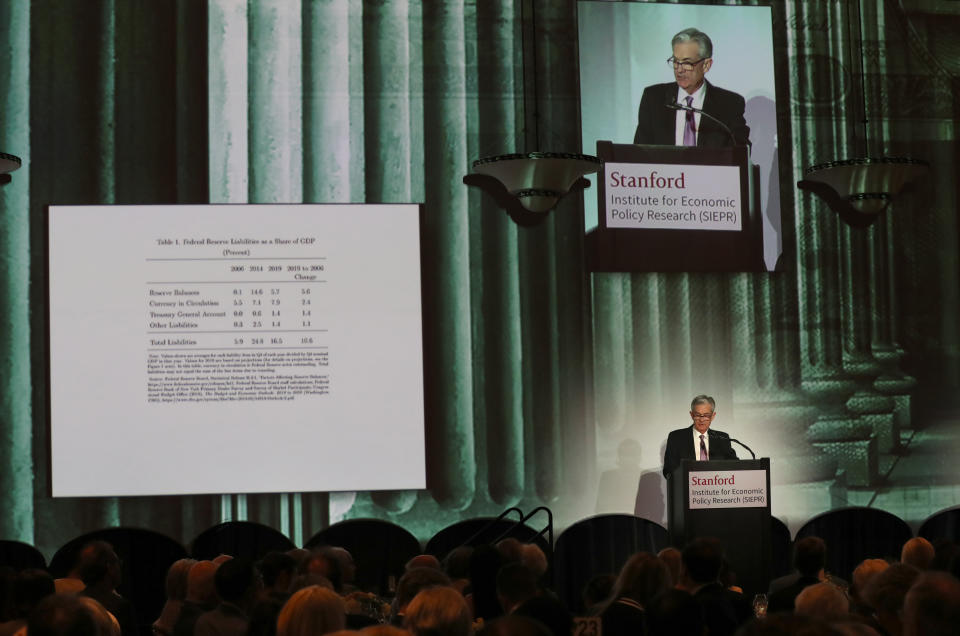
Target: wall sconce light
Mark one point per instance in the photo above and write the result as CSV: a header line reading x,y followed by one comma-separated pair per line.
x,y
860,189
527,186
8,163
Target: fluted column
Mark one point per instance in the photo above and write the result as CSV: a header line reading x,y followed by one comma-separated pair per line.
x,y
388,59
228,108
495,279
332,160
16,426
275,146
447,260
611,328
332,148
228,104
836,431
561,419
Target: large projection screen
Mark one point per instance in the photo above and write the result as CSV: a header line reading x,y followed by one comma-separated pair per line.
x,y
235,349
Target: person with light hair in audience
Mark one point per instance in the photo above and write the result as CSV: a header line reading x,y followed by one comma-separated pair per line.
x,y
176,585
917,552
412,583
823,600
423,561
932,606
438,611
201,597
312,611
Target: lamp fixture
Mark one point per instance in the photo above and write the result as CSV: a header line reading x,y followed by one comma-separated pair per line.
x,y
8,163
860,189
528,185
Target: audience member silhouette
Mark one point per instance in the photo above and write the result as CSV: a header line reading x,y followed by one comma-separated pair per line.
x,y
642,577
27,589
201,597
62,615
932,606
485,562
675,613
176,587
886,592
411,584
237,586
438,611
312,611
100,570
917,552
723,610
825,600
809,561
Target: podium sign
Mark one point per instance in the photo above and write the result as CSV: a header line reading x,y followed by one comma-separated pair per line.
x,y
676,209
671,196
727,499
710,490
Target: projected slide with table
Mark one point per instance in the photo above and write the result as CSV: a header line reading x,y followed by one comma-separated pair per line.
x,y
235,348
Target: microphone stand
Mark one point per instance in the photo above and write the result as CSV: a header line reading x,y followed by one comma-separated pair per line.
x,y
691,109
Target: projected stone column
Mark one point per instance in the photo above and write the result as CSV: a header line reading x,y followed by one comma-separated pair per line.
x,y
840,434
611,339
447,259
332,145
275,137
564,425
892,381
881,264
873,408
332,164
228,108
495,279
228,104
16,425
676,363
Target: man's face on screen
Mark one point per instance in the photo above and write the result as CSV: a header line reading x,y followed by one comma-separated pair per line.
x,y
685,54
702,416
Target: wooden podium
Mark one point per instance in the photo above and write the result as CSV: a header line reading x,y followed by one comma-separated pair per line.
x,y
743,526
670,250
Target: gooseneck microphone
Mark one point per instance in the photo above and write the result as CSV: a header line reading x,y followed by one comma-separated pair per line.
x,y
675,105
723,435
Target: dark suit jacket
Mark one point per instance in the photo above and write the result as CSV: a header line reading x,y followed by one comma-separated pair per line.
x,y
656,124
680,446
723,611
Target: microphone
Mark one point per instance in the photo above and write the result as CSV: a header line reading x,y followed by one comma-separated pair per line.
x,y
675,105
722,435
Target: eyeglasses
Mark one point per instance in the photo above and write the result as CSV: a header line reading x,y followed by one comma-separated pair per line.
x,y
687,66
701,416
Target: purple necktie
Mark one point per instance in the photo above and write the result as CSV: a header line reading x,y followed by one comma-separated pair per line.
x,y
703,446
690,131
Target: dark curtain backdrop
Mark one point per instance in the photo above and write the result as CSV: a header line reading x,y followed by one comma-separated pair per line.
x,y
535,370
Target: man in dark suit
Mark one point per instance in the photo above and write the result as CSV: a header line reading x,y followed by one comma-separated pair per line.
x,y
658,124
697,441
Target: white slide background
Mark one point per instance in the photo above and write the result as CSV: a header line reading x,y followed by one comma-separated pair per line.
x,y
111,436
